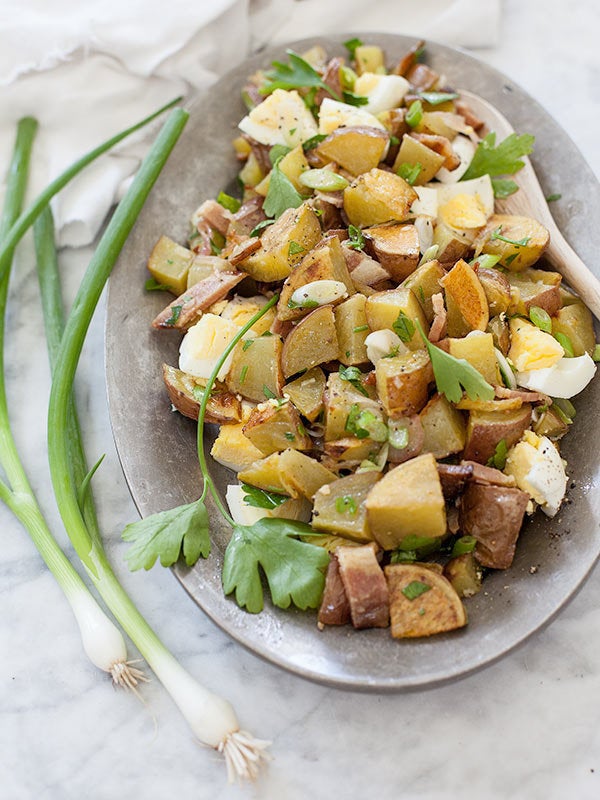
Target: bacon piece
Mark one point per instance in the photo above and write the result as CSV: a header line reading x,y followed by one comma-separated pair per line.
x,y
188,307
214,215
331,77
440,145
247,217
260,152
440,318
527,397
365,586
467,114
242,250
364,270
488,476
422,77
408,60
454,478
335,608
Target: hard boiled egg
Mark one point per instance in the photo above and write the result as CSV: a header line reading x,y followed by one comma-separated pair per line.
x,y
334,114
566,378
204,344
532,348
538,469
282,118
383,91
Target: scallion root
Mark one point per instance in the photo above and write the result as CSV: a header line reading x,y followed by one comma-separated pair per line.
x,y
244,756
126,676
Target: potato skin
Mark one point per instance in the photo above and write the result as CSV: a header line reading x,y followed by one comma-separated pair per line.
x,y
486,428
377,197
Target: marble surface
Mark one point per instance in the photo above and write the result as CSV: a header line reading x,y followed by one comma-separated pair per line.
x,y
526,727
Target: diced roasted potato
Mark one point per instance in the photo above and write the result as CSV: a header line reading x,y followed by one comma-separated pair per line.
x,y
464,573
266,473
378,196
550,424
369,58
519,241
534,287
396,248
436,123
186,395
188,308
413,152
498,327
352,330
467,293
307,393
576,322
383,309
277,257
234,450
204,266
256,368
340,506
313,341
443,426
303,475
407,501
251,173
478,350
356,149
293,164
422,602
340,397
425,282
493,515
350,448
403,383
496,288
275,426
485,429
452,243
325,262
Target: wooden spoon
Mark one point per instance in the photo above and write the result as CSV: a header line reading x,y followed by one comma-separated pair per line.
x,y
530,201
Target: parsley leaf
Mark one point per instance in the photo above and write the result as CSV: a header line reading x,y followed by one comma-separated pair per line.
x,y
277,152
295,248
260,498
356,239
354,99
504,187
352,44
295,570
281,193
227,201
354,376
175,312
498,460
295,75
404,327
553,198
505,159
452,375
311,143
261,225
166,534
152,285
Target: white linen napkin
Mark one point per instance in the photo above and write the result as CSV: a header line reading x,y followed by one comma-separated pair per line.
x,y
88,69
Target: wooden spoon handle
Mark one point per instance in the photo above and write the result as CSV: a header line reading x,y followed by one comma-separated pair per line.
x,y
565,260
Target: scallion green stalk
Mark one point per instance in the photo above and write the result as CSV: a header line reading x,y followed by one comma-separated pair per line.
x,y
212,718
102,641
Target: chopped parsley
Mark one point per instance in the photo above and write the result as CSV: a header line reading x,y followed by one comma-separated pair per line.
x,y
281,193
248,343
415,589
175,314
152,285
261,226
504,159
260,498
498,460
278,151
295,248
296,74
311,143
354,376
354,99
497,234
356,238
552,198
360,328
404,327
352,44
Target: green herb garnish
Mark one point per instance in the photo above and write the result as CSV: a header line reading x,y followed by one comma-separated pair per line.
x,y
152,285
505,159
540,318
261,226
464,544
297,74
409,172
415,589
268,393
360,328
404,327
566,344
356,239
497,234
278,151
596,353
243,373
485,261
248,343
227,201
354,99
346,504
504,187
498,460
553,198
437,98
260,498
354,376
414,115
311,143
452,375
175,314
295,248
351,45
281,193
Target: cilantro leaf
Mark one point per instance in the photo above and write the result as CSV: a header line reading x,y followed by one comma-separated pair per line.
x,y
295,570
505,159
260,498
166,534
295,75
452,375
281,193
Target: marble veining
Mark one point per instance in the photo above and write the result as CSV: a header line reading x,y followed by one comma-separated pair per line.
x,y
526,727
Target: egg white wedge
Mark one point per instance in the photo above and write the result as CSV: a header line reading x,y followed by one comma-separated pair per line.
x,y
465,150
334,114
282,118
538,469
481,187
565,379
426,204
383,91
205,343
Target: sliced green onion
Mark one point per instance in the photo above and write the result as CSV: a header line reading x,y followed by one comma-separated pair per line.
x,y
566,406
414,115
409,172
464,544
566,344
540,318
485,261
325,180
596,353
429,255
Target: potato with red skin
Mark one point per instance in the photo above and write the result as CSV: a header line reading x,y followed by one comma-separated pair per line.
x,y
486,428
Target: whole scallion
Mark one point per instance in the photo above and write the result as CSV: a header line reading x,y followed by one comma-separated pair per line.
x,y
211,718
102,641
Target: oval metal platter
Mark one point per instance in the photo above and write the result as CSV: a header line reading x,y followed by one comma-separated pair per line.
x,y
157,447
